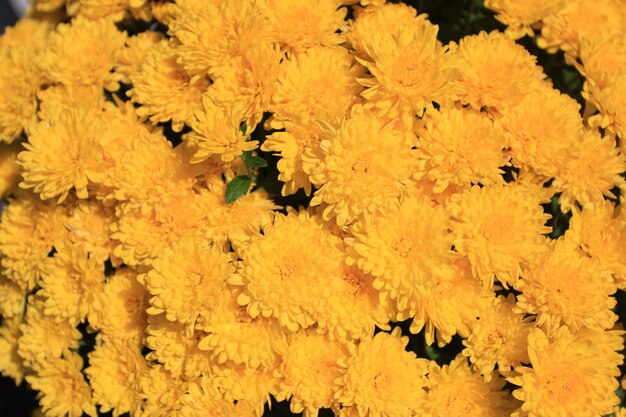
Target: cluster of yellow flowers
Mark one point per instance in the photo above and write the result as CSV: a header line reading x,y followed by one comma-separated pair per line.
x,y
146,269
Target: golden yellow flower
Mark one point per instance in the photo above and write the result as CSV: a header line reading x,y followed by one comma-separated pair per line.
x,y
12,298
297,26
500,229
28,232
448,303
114,9
242,384
114,372
290,270
11,364
461,147
187,279
455,391
361,167
48,5
164,91
29,33
215,131
568,288
403,249
384,380
120,308
132,57
318,83
311,373
203,398
9,169
44,338
65,153
88,226
498,337
590,171
59,98
611,101
63,390
496,72
84,52
569,376
520,15
70,281
161,392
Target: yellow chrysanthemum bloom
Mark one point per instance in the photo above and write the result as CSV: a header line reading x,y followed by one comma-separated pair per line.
x,y
568,288
20,80
410,70
9,169
88,226
242,384
163,89
114,372
28,32
132,57
187,279
63,390
44,338
215,131
114,9
120,308
611,101
319,83
11,363
289,270
569,376
455,391
297,26
161,392
203,398
601,233
499,229
448,303
28,232
177,351
59,98
12,298
498,337
65,153
47,6
70,281
403,249
310,372
495,71
84,52
384,380
361,167
580,177
232,335
461,147
519,16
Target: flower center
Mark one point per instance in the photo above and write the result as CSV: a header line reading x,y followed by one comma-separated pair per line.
x,y
403,246
361,166
286,267
353,279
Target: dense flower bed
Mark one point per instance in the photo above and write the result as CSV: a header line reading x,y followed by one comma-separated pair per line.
x,y
211,202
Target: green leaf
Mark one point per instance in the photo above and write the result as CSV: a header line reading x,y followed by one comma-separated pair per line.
x,y
432,353
253,161
236,188
243,127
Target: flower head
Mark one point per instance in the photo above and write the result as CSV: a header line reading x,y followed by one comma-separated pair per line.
x,y
520,15
11,363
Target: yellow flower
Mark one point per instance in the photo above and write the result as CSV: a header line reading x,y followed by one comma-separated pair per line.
x,y
84,52
62,388
9,169
232,335
520,15
569,376
289,270
499,229
403,249
568,288
448,303
461,147
65,153
456,391
215,131
120,308
60,98
47,5
114,372
498,337
611,101
114,9
203,399
384,380
496,72
590,171
88,226
164,91
161,392
601,233
297,26
318,83
70,281
132,57
12,298
362,167
44,338
28,232
186,281
29,33
242,384
311,373
410,70
11,364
